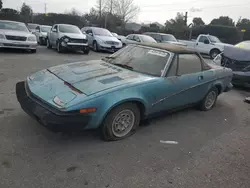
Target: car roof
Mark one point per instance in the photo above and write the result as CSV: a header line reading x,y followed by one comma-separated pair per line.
x,y
157,33
11,21
66,24
169,47
45,25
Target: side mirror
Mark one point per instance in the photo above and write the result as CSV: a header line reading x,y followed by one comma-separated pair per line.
x,y
91,34
54,30
206,41
37,30
83,32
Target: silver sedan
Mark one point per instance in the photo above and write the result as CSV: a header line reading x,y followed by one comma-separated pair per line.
x,y
16,35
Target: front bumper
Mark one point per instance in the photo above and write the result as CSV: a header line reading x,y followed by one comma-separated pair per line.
x,y
241,80
27,45
109,48
75,46
52,118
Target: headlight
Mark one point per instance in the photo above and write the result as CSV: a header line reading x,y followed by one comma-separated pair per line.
x,y
31,38
66,40
2,36
57,101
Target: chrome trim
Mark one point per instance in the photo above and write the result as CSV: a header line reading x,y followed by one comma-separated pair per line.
x,y
170,59
77,44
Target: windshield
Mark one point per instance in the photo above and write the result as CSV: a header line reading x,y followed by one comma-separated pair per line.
x,y
69,29
244,45
149,39
140,59
13,26
102,32
45,28
32,26
169,38
214,39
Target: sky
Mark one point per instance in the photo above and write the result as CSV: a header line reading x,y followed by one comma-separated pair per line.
x,y
150,11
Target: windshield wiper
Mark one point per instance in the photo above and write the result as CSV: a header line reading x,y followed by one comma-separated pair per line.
x,y
123,66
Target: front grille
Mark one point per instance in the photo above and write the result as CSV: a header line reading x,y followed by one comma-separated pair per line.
x,y
78,40
15,45
112,42
233,64
18,38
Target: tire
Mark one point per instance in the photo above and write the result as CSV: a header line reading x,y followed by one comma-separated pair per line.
x,y
204,106
213,53
33,51
95,47
48,44
86,52
111,131
59,47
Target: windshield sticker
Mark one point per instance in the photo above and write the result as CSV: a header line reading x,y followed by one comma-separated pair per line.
x,y
158,53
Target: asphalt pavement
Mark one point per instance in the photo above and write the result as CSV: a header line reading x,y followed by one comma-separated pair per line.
x,y
211,149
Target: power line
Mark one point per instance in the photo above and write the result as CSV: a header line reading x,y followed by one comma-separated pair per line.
x,y
203,8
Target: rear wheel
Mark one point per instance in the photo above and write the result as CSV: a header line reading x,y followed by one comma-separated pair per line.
x,y
48,44
210,100
121,122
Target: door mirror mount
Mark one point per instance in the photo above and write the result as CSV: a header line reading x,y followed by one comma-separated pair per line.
x,y
54,30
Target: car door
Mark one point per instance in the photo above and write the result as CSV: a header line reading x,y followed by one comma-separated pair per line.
x,y
90,36
183,84
203,45
54,34
137,39
37,32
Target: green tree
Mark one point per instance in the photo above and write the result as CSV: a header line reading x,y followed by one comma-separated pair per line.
x,y
1,4
26,13
198,21
223,20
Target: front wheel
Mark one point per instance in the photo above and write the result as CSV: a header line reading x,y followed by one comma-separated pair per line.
x,y
59,47
214,53
86,51
95,46
209,100
121,122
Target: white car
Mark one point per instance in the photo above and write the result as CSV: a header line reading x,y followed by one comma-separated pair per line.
x,y
16,35
41,33
207,45
137,38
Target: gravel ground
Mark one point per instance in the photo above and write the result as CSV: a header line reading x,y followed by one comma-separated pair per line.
x,y
212,151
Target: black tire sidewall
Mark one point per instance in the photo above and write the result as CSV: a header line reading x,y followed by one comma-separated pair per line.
x,y
202,104
106,128
95,44
211,53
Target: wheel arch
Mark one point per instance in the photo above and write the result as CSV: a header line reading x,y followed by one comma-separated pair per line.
x,y
217,49
140,104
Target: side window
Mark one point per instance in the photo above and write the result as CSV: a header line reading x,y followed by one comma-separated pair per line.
x,y
173,68
38,28
202,39
157,37
188,64
137,39
130,37
56,27
89,31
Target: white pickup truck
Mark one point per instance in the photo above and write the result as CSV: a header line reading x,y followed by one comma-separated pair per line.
x,y
206,44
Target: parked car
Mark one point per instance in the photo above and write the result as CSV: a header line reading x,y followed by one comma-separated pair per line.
x,y
207,45
41,33
115,93
119,37
237,58
67,37
136,38
102,39
164,38
16,35
32,27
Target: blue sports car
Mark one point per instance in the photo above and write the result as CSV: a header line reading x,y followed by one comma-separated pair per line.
x,y
117,92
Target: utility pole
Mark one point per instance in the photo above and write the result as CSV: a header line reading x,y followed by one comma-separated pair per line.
x,y
111,6
45,8
186,16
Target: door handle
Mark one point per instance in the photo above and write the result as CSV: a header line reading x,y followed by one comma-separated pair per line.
x,y
200,77
197,44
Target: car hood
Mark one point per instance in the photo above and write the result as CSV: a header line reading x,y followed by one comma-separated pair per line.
x,y
15,33
74,35
96,76
107,38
